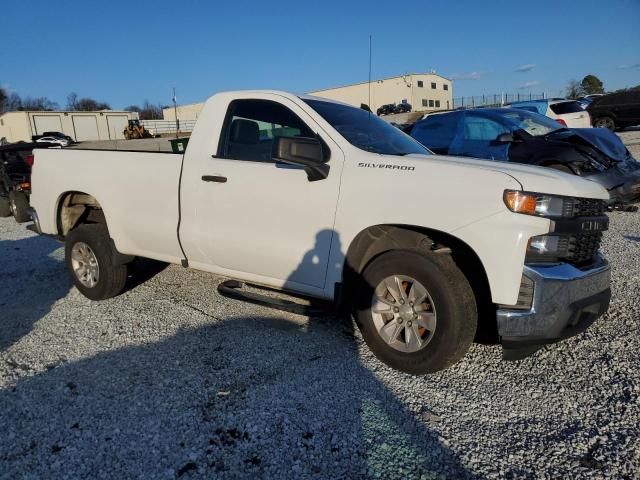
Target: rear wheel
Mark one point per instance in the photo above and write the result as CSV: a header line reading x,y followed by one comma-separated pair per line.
x,y
605,122
20,206
417,312
5,207
89,255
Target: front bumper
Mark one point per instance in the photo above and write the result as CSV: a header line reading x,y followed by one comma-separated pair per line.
x,y
566,300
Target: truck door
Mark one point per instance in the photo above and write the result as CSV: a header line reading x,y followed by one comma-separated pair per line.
x,y
253,218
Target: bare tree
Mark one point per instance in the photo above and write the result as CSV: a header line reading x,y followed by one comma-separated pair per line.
x,y
72,101
13,102
3,99
573,89
38,103
89,104
148,111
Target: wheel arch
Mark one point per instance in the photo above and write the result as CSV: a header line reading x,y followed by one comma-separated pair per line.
x,y
376,240
74,208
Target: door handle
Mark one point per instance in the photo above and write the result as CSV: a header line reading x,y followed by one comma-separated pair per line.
x,y
214,178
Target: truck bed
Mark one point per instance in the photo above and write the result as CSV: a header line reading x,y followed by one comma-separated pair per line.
x,y
140,145
138,192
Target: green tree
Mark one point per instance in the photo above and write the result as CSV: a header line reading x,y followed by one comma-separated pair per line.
x,y
591,84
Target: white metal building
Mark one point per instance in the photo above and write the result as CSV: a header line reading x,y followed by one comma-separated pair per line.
x,y
189,111
423,91
97,125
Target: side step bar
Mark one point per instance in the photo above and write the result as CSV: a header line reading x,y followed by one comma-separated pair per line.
x,y
233,289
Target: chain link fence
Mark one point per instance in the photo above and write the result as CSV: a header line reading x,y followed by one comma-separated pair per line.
x,y
496,99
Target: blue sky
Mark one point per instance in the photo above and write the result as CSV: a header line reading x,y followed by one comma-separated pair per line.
x,y
126,52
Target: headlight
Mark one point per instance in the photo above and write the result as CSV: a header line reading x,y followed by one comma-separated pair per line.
x,y
539,204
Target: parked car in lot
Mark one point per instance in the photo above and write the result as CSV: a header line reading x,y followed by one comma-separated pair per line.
x,y
59,135
63,142
566,112
15,182
321,199
521,136
386,109
616,110
402,108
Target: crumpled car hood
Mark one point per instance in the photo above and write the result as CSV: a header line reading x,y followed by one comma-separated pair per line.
x,y
602,139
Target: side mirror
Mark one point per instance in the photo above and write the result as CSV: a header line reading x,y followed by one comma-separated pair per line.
x,y
304,151
505,138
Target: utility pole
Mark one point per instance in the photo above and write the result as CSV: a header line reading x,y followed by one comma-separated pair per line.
x,y
175,111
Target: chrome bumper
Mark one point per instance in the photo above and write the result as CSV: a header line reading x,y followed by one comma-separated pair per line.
x,y
566,300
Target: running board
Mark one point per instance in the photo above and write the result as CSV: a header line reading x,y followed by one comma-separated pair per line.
x,y
232,289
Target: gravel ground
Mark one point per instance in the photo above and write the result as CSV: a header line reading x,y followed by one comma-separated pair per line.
x,y
171,380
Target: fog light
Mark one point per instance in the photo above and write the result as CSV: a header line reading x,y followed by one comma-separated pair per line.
x,y
556,246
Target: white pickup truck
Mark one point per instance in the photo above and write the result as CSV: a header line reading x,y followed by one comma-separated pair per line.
x,y
321,199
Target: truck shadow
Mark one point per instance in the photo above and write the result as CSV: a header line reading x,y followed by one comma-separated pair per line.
x,y
269,396
32,279
248,397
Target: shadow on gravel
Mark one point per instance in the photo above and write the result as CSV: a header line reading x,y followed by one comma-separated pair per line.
x,y
32,279
142,270
632,238
243,398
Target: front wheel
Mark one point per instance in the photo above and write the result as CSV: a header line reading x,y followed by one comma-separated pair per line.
x,y
20,206
417,312
89,256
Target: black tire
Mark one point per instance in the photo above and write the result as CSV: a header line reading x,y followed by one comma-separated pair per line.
x,y
605,122
5,207
453,300
20,206
112,278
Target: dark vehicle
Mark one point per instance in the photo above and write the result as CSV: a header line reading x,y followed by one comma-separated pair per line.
x,y
616,110
521,136
386,109
15,179
402,108
55,135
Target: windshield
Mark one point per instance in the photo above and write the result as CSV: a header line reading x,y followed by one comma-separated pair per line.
x,y
365,130
532,123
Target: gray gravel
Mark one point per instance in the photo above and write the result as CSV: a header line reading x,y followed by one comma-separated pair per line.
x,y
171,380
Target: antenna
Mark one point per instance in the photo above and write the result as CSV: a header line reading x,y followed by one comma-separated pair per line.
x,y
369,72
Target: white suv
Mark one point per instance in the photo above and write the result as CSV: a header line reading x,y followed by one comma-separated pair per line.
x,y
566,112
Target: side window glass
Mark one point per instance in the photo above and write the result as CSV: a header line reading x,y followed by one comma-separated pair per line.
x,y
436,132
251,126
480,128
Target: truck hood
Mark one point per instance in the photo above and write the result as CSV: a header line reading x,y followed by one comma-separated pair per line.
x,y
531,178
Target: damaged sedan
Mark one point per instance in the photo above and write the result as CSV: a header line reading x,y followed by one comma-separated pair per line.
x,y
521,136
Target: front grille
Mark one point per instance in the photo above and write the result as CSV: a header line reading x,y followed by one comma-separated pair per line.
x,y
589,207
583,248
